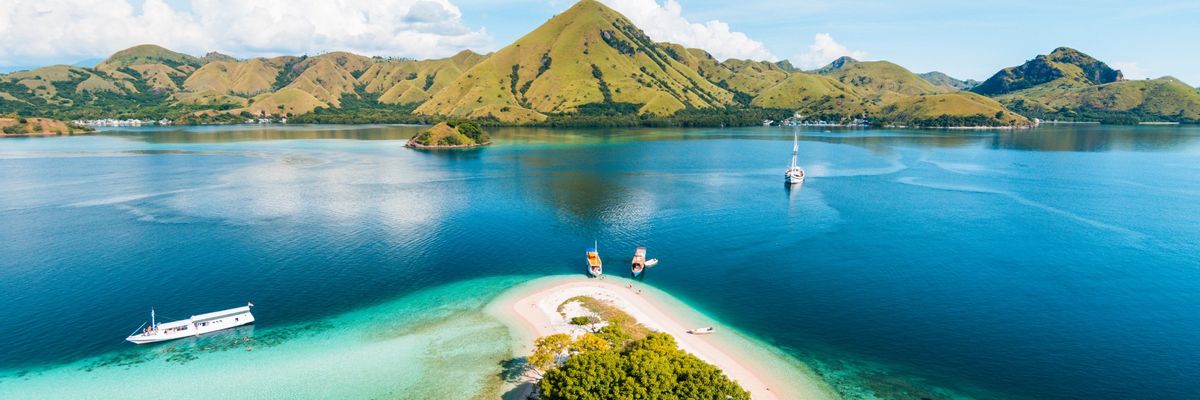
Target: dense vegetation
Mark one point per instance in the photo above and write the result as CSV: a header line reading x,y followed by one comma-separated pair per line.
x,y
650,368
623,360
455,133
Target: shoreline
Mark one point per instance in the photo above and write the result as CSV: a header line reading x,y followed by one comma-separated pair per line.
x,y
530,311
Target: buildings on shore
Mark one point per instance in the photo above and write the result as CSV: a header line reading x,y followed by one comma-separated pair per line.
x,y
798,119
110,122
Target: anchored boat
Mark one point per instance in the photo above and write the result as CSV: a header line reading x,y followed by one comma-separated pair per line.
x,y
795,174
639,261
194,326
595,267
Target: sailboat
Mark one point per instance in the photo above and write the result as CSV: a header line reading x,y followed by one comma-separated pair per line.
x,y
595,267
639,261
194,326
795,174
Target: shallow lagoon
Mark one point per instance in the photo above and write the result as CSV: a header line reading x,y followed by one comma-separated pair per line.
x,y
1059,262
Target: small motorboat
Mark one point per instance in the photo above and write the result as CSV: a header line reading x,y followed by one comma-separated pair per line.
x,y
702,331
651,262
595,266
639,261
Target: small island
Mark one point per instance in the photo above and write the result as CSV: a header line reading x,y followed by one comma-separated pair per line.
x,y
579,338
450,135
21,126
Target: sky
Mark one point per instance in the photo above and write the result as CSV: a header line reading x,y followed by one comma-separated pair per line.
x,y
966,39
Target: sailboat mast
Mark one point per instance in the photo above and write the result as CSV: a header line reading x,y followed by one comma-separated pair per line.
x,y
795,148
152,324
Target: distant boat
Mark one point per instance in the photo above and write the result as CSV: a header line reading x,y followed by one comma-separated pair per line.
x,y
639,261
702,331
194,326
795,174
651,262
595,267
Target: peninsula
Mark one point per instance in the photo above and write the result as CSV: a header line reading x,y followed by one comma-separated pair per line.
x,y
556,306
21,126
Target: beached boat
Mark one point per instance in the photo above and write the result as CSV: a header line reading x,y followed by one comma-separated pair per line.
x,y
194,326
702,331
639,261
595,266
795,174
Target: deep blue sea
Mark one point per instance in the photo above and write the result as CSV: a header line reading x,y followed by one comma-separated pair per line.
x,y
1056,263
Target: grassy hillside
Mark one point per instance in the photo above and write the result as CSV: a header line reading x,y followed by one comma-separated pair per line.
x,y
589,66
947,82
450,135
149,54
813,94
878,82
22,126
950,109
589,54
1064,67
1163,99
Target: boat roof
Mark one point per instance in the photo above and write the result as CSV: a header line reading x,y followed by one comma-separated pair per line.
x,y
174,324
222,313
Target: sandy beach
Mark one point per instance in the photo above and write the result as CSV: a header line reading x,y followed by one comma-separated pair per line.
x,y
530,310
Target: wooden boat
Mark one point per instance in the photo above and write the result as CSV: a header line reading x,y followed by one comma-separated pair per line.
x,y
194,326
702,331
595,266
639,261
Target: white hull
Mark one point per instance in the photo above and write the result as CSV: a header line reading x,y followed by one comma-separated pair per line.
x,y
195,326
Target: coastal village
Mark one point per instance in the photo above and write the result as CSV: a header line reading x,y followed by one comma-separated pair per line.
x,y
130,122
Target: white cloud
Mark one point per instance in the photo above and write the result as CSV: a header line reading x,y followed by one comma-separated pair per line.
x,y
823,51
40,31
1131,70
665,23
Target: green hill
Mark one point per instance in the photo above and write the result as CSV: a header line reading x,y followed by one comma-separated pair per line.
x,y
878,82
148,54
21,126
951,109
589,54
588,66
812,94
457,134
948,82
1062,67
1068,84
1159,100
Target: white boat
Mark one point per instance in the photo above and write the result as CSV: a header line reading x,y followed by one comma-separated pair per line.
x,y
702,331
639,261
194,326
651,262
795,174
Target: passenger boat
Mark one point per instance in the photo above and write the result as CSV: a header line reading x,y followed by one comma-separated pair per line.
x,y
639,261
194,326
702,331
595,267
795,174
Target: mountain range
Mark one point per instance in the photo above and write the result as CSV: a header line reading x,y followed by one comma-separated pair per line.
x,y
589,61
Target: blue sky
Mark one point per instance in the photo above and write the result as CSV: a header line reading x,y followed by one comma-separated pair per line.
x,y
966,39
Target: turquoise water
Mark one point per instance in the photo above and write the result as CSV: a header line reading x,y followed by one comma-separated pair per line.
x,y
1054,263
